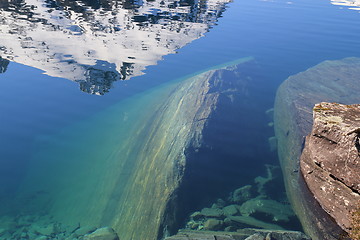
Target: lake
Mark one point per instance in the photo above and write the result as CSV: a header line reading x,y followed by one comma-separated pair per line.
x,y
80,81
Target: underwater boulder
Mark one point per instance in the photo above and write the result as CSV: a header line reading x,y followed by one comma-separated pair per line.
x,y
105,233
330,81
130,180
213,224
275,210
243,234
242,194
230,210
212,212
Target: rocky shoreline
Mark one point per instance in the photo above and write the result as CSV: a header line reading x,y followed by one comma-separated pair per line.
x,y
330,161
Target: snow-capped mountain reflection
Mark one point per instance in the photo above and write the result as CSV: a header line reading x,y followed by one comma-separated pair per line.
x,y
98,42
351,4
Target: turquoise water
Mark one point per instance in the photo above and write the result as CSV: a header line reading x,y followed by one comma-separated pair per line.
x,y
51,121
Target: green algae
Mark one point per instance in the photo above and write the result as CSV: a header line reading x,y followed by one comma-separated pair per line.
x,y
120,167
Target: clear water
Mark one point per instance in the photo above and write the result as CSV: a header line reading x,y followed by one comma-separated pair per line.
x,y
49,124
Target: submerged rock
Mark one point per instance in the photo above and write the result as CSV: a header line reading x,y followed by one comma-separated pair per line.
x,y
263,183
253,222
213,224
44,230
278,235
275,210
84,230
134,187
330,161
331,81
260,210
212,212
230,210
242,194
104,233
196,216
244,234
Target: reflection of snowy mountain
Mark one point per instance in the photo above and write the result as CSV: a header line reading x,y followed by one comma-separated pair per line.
x,y
98,42
352,4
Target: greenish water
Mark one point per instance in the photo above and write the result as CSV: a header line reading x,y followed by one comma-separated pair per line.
x,y
60,140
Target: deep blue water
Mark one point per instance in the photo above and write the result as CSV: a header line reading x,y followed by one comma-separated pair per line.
x,y
285,37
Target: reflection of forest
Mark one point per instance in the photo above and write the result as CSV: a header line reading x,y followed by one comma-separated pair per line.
x,y
96,42
3,65
352,4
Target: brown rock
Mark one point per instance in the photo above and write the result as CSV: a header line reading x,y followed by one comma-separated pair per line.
x,y
331,81
330,162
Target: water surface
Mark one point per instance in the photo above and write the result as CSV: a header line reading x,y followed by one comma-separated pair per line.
x,y
122,51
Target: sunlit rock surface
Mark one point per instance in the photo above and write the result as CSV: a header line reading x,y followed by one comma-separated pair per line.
x,y
330,162
331,81
128,177
98,42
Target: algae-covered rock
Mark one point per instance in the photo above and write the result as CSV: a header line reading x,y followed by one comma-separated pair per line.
x,y
248,233
196,216
256,236
130,180
274,209
212,212
275,235
331,81
230,210
330,161
253,222
104,233
242,194
44,230
84,230
213,224
263,181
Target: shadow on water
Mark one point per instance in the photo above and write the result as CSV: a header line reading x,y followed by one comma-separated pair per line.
x,y
114,40
236,153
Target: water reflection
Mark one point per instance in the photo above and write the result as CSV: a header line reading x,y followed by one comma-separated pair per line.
x,y
98,42
352,4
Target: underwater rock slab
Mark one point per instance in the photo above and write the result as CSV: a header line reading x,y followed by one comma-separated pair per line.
x,y
330,81
278,211
133,187
244,234
330,161
104,233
